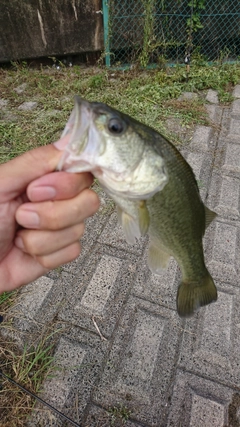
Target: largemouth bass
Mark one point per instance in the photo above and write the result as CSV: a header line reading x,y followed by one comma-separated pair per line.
x,y
154,189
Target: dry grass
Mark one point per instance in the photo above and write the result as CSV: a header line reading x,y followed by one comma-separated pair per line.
x,y
28,366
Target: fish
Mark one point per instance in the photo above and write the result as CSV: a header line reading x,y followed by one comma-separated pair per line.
x,y
154,188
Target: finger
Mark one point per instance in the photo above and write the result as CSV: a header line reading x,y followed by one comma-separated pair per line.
x,y
56,215
16,174
58,186
40,243
63,256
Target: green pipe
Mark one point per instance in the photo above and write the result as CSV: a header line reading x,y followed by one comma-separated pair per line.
x,y
106,32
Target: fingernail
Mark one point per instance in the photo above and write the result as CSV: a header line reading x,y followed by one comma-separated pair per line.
x,y
19,243
28,218
38,194
62,142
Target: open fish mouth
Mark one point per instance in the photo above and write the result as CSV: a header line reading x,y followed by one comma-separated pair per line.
x,y
83,146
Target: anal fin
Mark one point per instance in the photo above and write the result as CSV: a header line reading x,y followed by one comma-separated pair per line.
x,y
158,258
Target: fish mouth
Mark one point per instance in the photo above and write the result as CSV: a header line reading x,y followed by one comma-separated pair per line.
x,y
83,145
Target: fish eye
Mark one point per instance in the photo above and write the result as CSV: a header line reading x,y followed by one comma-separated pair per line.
x,y
115,125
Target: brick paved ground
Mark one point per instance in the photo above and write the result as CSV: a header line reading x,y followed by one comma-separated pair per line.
x,y
152,368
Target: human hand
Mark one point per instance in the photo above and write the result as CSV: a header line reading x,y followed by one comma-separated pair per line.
x,y
51,206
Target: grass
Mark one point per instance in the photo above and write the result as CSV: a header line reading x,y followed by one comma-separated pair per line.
x,y
149,96
29,368
6,299
119,415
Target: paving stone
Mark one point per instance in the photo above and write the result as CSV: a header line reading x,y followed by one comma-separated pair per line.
x,y
236,91
33,297
188,96
234,131
7,116
28,308
158,288
93,228
212,96
28,105
236,107
139,369
3,103
78,362
214,112
198,402
201,138
222,251
232,156
211,339
36,306
196,160
99,293
21,88
224,127
224,196
100,286
201,165
113,235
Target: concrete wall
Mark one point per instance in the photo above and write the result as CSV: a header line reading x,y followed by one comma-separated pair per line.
x,y
35,28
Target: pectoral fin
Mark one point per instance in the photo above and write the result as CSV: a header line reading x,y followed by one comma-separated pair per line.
x,y
129,225
144,218
158,258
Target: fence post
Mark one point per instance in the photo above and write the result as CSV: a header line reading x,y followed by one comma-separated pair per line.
x,y
106,32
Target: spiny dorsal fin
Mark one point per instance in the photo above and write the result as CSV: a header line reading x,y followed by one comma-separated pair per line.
x,y
209,216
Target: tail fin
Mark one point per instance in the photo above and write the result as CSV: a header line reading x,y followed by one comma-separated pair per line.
x,y
192,295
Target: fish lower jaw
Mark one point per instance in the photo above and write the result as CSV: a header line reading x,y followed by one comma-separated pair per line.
x,y
78,166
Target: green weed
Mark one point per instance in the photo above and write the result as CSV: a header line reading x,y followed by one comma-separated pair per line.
x,y
28,368
119,415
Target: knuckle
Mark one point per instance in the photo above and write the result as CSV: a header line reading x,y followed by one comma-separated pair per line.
x,y
51,216
75,251
29,242
45,262
61,257
77,231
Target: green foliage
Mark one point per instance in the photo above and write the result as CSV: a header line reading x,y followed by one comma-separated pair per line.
x,y
34,364
5,299
148,32
96,81
119,414
194,22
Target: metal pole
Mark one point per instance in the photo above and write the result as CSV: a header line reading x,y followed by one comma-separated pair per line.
x,y
106,32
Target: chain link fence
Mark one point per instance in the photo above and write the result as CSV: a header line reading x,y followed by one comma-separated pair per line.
x,y
160,31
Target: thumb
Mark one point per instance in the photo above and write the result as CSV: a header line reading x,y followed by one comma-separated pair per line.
x,y
16,174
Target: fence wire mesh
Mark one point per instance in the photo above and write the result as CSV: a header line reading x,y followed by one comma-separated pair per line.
x,y
160,31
